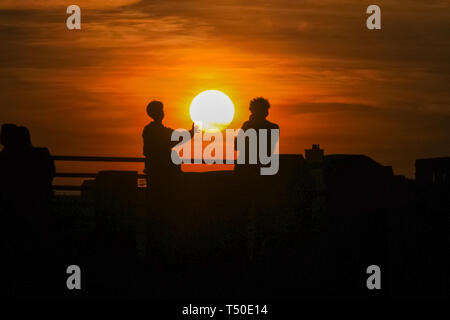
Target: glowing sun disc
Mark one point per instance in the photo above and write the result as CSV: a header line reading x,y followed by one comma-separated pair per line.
x,y
212,110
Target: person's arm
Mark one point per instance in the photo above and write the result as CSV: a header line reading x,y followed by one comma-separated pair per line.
x,y
192,132
145,145
51,165
145,150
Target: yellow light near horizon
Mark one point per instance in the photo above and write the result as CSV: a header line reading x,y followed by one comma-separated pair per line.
x,y
212,110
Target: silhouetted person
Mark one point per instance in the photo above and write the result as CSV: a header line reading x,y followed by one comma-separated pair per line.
x,y
26,175
256,189
259,108
10,167
162,180
158,144
8,183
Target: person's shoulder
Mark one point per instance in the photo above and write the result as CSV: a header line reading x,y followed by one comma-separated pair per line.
x,y
272,125
168,129
246,125
147,128
149,125
40,151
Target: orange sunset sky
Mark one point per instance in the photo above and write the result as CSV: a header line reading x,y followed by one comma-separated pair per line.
x,y
384,93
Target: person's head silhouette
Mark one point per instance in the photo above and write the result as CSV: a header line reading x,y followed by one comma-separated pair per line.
x,y
23,137
13,137
8,136
155,110
259,107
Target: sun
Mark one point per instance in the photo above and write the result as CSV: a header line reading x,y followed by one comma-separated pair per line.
x,y
212,110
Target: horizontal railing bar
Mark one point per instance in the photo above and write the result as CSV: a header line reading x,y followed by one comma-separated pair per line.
x,y
67,188
98,159
130,159
85,175
75,188
75,175
118,159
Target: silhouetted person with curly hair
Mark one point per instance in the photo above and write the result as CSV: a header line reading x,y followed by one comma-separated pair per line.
x,y
256,190
259,109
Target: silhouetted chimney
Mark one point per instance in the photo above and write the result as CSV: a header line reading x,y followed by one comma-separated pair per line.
x,y
314,155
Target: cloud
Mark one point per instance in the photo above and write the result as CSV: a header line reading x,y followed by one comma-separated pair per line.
x,y
45,4
328,107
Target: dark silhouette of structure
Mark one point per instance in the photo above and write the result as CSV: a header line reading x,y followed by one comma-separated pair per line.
x,y
435,170
310,231
314,155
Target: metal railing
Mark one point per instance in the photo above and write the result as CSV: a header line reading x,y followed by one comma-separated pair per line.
x,y
93,175
109,159
88,175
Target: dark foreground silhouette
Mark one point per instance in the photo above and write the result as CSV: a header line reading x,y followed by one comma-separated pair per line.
x,y
26,175
311,231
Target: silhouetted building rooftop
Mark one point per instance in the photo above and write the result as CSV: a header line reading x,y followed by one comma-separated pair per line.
x,y
314,155
433,170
